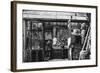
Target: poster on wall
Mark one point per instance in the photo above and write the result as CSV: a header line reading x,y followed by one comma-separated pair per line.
x,y
48,36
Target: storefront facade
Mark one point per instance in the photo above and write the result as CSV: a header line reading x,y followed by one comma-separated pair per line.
x,y
46,34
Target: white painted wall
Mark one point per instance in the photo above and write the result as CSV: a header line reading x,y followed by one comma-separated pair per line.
x,y
5,37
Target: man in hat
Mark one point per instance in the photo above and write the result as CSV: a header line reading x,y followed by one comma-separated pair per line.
x,y
75,44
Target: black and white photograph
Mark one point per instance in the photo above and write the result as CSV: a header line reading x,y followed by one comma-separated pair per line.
x,y
54,36
48,36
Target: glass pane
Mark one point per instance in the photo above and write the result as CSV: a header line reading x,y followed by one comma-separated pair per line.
x,y
34,35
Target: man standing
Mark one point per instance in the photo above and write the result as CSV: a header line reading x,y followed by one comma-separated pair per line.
x,y
75,44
